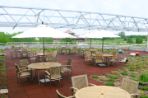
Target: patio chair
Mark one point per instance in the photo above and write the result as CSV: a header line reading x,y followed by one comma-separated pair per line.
x,y
63,50
23,64
67,68
54,74
79,82
22,73
98,60
63,96
130,86
40,58
88,57
52,57
114,59
24,54
18,54
32,56
74,50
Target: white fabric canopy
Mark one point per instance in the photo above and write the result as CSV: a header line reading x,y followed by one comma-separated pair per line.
x,y
43,31
98,34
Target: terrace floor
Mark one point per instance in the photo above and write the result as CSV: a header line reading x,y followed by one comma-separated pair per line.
x,y
31,89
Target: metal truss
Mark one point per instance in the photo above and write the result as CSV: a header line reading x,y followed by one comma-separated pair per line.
x,y
30,17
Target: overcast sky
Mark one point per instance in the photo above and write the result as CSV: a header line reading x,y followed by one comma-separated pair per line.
x,y
137,8
123,7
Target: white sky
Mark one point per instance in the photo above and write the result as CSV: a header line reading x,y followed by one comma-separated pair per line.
x,y
122,7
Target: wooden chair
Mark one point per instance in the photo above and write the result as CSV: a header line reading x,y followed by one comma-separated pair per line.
x,y
54,74
63,50
98,59
130,86
52,56
40,58
79,82
32,56
88,57
24,54
23,64
114,59
63,96
22,73
74,50
67,68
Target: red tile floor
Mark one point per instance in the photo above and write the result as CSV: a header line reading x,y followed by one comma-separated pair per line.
x,y
31,89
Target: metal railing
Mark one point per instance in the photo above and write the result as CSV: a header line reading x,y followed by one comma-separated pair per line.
x,y
141,47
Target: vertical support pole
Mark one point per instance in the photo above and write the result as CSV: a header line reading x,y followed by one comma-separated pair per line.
x,y
147,42
90,42
43,46
102,44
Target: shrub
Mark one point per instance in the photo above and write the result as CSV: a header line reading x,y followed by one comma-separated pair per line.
x,y
130,40
143,96
112,77
109,83
139,40
144,77
125,73
144,88
95,76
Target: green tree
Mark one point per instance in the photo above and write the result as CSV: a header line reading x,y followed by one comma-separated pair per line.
x,y
130,40
49,40
122,35
139,40
68,41
4,38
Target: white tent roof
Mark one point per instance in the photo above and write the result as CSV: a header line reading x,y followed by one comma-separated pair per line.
x,y
98,34
43,31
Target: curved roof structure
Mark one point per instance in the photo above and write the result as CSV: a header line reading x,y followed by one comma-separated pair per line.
x,y
30,17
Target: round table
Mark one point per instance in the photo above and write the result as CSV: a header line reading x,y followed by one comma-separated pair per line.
x,y
42,66
102,92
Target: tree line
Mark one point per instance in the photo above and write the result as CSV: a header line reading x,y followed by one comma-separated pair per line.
x,y
6,37
138,39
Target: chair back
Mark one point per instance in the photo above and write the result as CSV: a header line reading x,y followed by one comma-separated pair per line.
x,y
22,73
129,85
87,56
51,56
54,54
24,62
55,73
99,58
79,81
24,53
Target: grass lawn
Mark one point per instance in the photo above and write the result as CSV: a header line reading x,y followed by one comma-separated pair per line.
x,y
136,68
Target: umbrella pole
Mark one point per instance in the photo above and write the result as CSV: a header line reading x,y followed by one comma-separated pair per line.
x,y
102,44
43,46
90,41
147,43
